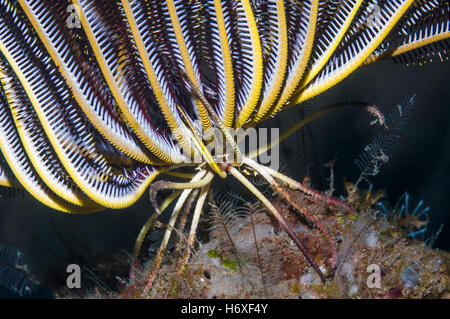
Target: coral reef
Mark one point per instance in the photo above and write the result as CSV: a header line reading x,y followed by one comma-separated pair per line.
x,y
243,253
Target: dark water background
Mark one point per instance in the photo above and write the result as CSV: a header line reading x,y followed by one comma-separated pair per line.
x,y
421,166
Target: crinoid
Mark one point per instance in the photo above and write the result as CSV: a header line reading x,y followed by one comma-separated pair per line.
x,y
98,98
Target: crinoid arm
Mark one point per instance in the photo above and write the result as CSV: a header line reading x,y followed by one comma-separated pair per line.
x,y
144,78
408,31
421,37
